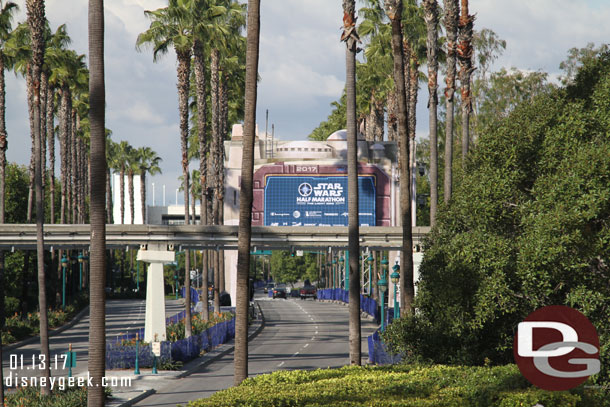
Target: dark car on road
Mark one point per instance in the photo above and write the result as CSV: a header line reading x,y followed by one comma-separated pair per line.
x,y
279,291
308,291
269,287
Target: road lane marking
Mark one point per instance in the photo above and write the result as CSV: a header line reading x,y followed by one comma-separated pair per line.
x,y
316,332
295,354
313,338
316,328
306,345
280,365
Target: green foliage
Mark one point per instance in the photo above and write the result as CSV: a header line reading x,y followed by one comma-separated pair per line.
x,y
16,198
528,226
336,121
404,385
30,397
290,269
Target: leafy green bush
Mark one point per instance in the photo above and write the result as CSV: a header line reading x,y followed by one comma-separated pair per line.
x,y
528,226
403,385
30,397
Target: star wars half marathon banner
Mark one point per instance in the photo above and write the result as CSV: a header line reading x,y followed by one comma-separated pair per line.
x,y
316,201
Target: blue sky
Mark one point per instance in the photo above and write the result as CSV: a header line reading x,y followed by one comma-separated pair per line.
x,y
301,65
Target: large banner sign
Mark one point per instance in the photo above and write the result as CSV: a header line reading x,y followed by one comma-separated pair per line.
x,y
316,200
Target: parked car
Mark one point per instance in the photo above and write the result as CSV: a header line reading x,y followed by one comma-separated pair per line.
x,y
268,287
308,291
279,292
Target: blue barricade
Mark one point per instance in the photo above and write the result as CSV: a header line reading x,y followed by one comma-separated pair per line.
x,y
367,304
194,294
378,352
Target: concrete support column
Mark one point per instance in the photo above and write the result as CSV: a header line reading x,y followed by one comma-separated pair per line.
x,y
156,255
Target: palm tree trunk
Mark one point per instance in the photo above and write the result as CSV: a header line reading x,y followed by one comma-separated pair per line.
x,y
392,116
3,147
122,193
44,97
73,168
351,39
131,191
97,97
51,147
394,10
451,26
431,17
64,130
215,80
36,21
464,52
143,194
184,68
245,199
108,198
199,68
30,96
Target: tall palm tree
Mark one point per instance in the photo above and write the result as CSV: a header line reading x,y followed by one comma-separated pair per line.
x,y
132,166
97,97
245,198
36,22
407,290
171,26
122,152
7,9
464,52
149,163
351,39
452,11
111,148
431,17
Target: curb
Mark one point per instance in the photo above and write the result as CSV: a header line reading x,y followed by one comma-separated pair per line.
x,y
53,332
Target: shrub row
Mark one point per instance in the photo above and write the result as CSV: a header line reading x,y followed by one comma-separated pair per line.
x,y
400,385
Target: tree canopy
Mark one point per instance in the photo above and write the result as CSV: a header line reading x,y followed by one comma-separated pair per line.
x,y
528,226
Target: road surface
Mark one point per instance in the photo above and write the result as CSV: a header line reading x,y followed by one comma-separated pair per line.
x,y
297,335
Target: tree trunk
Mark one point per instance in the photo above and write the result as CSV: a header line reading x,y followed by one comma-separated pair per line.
x,y
394,11
464,52
97,100
132,209
351,39
36,21
64,129
44,97
108,198
184,68
122,192
451,26
392,116
3,147
51,148
30,96
245,198
431,17
199,68
73,168
143,194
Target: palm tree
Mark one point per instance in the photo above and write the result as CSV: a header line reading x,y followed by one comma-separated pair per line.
x,y
464,52
97,98
111,148
36,22
350,36
431,18
131,167
171,26
452,12
7,9
407,290
149,163
123,150
245,198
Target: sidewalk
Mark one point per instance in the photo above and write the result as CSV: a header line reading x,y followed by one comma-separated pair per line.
x,y
145,384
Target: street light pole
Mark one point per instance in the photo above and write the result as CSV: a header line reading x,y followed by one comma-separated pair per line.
x,y
370,260
80,272
395,277
342,272
382,284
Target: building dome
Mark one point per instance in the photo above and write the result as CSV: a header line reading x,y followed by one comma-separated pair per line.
x,y
341,135
304,150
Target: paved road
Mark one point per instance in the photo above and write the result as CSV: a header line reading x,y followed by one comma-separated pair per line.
x,y
297,335
122,316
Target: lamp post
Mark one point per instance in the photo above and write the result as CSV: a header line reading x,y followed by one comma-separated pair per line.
x,y
329,270
73,261
395,278
323,268
137,276
341,267
80,272
85,260
64,264
382,284
176,281
369,260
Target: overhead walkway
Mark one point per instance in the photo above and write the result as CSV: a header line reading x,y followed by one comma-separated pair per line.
x,y
23,236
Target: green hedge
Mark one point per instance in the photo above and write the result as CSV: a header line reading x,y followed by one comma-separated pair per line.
x,y
404,385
